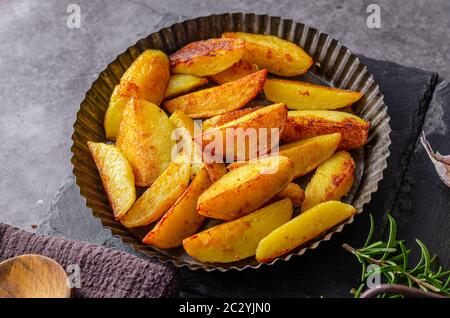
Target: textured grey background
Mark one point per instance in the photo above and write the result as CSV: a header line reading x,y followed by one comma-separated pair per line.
x,y
46,68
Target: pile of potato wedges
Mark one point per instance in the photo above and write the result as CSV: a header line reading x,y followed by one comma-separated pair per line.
x,y
194,97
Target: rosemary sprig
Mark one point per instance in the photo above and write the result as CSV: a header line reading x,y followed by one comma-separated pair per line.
x,y
392,258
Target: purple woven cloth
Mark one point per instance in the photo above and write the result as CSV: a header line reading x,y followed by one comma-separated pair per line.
x,y
103,272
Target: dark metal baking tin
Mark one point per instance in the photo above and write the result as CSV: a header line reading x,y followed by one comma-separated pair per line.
x,y
335,66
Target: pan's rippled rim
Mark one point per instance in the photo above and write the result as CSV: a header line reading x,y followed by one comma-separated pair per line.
x,y
335,64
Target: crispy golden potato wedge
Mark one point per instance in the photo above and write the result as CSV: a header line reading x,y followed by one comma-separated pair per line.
x,y
182,220
147,78
306,154
187,130
302,229
245,189
220,120
114,112
238,239
180,84
250,135
235,72
303,96
145,139
117,176
332,180
220,99
292,192
204,58
278,56
309,123
161,195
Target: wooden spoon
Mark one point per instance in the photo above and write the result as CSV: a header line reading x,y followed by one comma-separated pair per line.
x,y
33,276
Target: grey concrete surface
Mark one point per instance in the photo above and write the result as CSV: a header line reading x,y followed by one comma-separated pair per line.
x,y
46,68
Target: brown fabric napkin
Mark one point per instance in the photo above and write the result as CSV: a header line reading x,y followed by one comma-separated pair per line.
x,y
103,272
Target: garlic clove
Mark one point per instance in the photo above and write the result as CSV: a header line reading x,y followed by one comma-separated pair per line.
x,y
441,163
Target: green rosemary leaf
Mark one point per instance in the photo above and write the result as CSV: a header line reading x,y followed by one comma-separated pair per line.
x,y
398,258
423,288
392,235
439,271
447,283
371,231
419,265
425,253
410,282
404,254
359,290
390,276
363,270
442,274
433,261
359,258
391,262
373,245
384,250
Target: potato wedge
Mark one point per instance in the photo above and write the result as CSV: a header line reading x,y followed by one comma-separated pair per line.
x,y
247,137
145,139
114,112
220,99
180,84
147,78
182,220
302,229
306,154
331,181
309,123
117,176
220,120
303,96
292,192
278,56
238,239
246,189
161,195
235,72
187,130
203,58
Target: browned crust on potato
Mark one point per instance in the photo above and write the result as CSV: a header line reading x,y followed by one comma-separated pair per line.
x,y
345,175
235,72
278,254
215,101
118,213
105,179
262,120
220,120
204,48
354,133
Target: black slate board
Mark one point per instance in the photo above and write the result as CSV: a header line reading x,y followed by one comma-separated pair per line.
x,y
423,205
328,271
